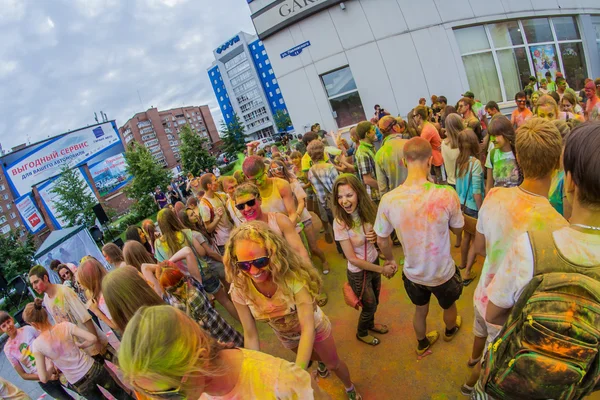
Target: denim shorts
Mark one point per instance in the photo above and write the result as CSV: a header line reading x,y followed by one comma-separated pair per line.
x,y
211,284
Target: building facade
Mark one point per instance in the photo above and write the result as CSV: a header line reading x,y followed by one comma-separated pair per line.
x,y
336,60
159,131
244,83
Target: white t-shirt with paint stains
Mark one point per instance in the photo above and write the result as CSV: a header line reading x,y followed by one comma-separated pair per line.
x,y
421,216
505,214
516,269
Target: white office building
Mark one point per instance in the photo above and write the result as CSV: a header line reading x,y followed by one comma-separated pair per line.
x,y
335,60
245,84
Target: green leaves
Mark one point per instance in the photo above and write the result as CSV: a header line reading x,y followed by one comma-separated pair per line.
x,y
17,255
194,156
74,203
233,136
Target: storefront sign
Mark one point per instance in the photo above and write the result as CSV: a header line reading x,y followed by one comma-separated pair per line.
x,y
49,198
30,213
294,51
228,43
110,175
282,13
72,149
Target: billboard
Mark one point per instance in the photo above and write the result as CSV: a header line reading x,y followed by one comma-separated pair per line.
x,y
110,175
49,198
45,161
30,213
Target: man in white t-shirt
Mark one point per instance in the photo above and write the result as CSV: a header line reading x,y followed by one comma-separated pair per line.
x,y
216,172
213,211
63,304
423,214
508,212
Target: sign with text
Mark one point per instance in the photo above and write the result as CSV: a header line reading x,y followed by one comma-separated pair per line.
x,y
280,14
294,51
49,198
72,149
30,213
110,175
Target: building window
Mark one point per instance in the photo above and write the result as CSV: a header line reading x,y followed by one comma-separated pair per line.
x,y
2,219
343,96
5,229
13,215
1,209
5,197
596,24
8,206
2,187
500,57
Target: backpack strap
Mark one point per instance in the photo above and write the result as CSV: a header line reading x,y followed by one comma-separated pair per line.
x,y
547,257
210,207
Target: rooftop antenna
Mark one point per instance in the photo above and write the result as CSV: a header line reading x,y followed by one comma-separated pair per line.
x,y
103,116
96,116
140,97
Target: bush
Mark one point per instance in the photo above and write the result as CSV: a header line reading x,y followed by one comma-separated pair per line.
x,y
130,219
226,170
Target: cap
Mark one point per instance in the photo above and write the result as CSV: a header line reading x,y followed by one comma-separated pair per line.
x,y
386,123
468,93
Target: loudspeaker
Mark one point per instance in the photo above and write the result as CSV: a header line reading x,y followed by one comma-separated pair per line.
x,y
3,283
119,242
100,214
97,234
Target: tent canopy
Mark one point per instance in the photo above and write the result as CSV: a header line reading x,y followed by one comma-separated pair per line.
x,y
57,237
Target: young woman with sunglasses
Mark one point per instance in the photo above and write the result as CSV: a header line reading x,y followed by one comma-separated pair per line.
x,y
278,169
185,363
248,201
272,283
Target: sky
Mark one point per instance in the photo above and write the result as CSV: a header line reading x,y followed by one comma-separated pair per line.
x,y
63,60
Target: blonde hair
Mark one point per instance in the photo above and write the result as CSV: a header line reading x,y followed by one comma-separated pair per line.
x,y
245,189
90,275
113,252
539,146
454,126
171,229
166,355
135,254
544,101
125,290
285,264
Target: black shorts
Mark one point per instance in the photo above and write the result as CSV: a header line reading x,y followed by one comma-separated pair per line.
x,y
447,293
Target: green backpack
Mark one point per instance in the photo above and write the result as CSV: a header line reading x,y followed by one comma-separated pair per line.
x,y
548,348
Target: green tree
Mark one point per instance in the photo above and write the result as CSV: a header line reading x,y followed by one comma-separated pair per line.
x,y
282,120
234,139
147,175
16,255
194,156
74,203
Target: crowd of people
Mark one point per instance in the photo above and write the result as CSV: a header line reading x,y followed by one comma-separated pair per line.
x,y
523,192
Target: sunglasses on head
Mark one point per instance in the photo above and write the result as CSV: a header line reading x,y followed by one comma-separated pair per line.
x,y
276,169
250,203
258,263
171,394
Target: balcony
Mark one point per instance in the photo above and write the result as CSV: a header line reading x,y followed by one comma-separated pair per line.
x,y
148,137
168,130
146,130
151,143
143,124
154,149
128,139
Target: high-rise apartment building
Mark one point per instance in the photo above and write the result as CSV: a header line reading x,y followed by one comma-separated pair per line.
x,y
245,84
159,131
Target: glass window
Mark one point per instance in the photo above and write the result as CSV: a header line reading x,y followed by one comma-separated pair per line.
x,y
544,59
537,30
340,81
596,24
506,34
566,28
514,67
347,109
482,76
472,39
574,63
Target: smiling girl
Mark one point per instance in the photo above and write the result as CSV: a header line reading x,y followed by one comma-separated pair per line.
x,y
271,283
503,170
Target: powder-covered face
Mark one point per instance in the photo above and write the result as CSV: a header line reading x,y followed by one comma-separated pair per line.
x,y
276,170
499,141
259,179
8,327
566,106
589,92
142,236
249,212
521,103
535,98
229,187
347,198
248,250
193,217
65,274
38,284
547,111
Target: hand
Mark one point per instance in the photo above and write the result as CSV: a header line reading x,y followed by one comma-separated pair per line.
x,y
220,211
393,264
388,270
372,236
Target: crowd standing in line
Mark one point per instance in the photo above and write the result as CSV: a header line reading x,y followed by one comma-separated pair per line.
x,y
522,191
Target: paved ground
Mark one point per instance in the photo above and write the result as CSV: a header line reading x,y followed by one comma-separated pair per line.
x,y
390,370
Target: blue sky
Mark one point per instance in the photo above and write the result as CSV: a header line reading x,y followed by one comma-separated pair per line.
x,y
61,60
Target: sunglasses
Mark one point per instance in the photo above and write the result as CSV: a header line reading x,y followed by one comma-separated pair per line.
x,y
250,203
521,101
171,394
276,169
175,288
258,263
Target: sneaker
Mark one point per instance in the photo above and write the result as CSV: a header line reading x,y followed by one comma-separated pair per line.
x,y
322,370
353,395
466,390
433,336
448,338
